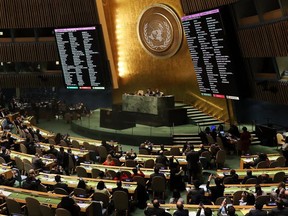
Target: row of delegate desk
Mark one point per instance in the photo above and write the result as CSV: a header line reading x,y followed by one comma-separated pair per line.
x,y
53,200
72,181
155,148
229,190
240,210
250,158
182,159
147,171
48,134
47,161
49,199
82,153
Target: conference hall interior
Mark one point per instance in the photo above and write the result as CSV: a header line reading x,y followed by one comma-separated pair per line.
x,y
147,107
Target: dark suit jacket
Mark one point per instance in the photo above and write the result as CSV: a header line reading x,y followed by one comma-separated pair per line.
x,y
278,212
183,212
216,191
154,211
119,189
196,196
162,159
248,177
257,212
61,185
192,159
157,174
63,159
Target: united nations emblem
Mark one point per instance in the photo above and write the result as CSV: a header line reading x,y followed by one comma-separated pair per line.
x,y
159,31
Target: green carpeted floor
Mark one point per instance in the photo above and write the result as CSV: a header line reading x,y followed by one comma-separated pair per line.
x,y
232,161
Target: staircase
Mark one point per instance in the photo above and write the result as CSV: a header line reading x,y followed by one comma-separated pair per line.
x,y
200,118
179,139
203,120
255,139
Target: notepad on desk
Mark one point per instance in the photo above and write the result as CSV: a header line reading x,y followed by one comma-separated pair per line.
x,y
5,193
83,205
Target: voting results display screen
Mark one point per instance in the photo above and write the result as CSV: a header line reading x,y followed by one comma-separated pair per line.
x,y
213,64
83,57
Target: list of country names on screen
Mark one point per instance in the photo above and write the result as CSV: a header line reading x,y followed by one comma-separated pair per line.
x,y
212,62
80,57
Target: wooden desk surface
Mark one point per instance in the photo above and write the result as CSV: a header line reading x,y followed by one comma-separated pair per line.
x,y
256,172
250,158
230,189
72,181
240,210
147,171
94,142
47,161
78,152
6,171
48,134
157,148
44,133
49,199
142,158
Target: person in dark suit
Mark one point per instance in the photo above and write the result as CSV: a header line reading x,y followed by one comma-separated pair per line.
x,y
231,211
107,146
234,177
37,162
202,149
60,184
4,153
39,136
52,150
7,182
206,211
11,141
180,210
157,173
280,210
217,190
155,210
248,176
162,159
63,160
195,195
258,211
119,188
193,166
31,183
69,204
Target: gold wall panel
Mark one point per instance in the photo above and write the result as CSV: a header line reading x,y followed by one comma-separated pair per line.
x,y
139,70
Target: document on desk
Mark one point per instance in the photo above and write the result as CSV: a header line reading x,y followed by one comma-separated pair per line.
x,y
5,193
192,213
244,211
83,205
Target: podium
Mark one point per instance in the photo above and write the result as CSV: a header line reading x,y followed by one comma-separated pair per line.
x,y
115,119
154,111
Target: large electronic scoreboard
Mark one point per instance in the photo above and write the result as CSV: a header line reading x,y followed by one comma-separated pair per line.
x,y
83,57
211,54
